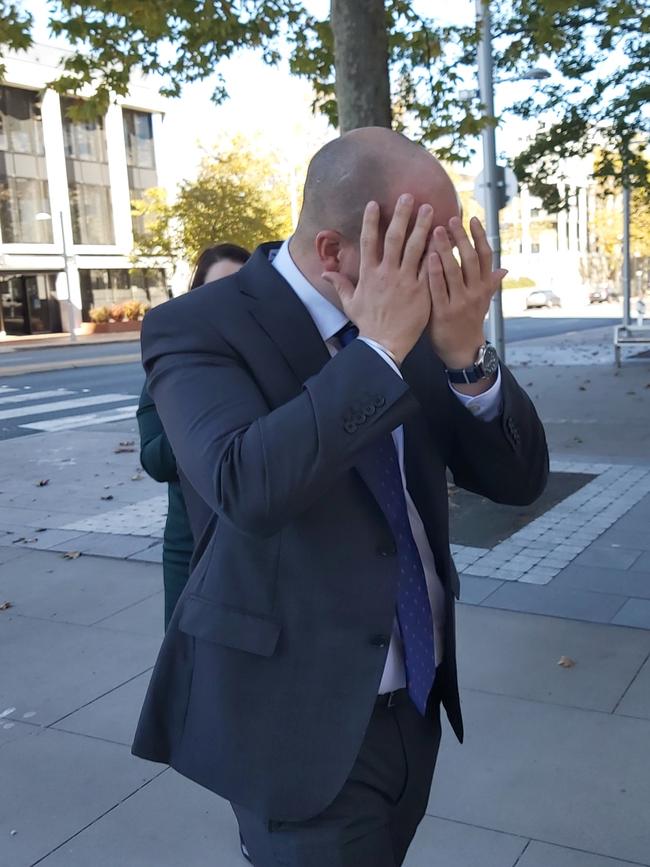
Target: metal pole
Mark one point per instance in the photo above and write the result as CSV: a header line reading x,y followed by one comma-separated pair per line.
x,y
68,301
626,276
486,90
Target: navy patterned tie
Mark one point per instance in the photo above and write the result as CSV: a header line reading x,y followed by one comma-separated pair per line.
x,y
379,468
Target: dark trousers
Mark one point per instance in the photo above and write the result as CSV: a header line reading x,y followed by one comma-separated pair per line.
x,y
374,817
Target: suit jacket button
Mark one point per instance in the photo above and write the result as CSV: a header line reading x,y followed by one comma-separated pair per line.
x,y
350,427
370,409
359,418
379,400
380,640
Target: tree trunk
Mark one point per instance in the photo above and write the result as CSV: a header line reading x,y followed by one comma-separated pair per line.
x,y
361,63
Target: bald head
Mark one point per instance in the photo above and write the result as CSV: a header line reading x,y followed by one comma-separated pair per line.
x,y
367,164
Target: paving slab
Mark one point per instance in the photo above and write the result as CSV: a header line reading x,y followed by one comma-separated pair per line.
x,y
143,618
54,784
642,564
475,590
153,554
45,584
51,669
599,556
635,612
517,655
452,844
544,855
556,602
167,823
113,716
636,701
629,582
575,778
11,729
100,544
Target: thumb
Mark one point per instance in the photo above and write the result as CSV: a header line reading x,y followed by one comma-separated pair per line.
x,y
343,286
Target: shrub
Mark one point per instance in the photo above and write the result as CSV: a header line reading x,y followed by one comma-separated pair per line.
x,y
117,312
132,311
518,283
145,307
99,314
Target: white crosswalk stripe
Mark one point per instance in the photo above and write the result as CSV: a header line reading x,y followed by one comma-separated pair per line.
x,y
69,422
58,406
34,395
5,389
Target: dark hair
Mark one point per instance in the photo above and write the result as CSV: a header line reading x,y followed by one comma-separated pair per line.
x,y
211,255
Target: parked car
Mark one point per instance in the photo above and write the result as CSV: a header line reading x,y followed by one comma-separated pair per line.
x,y
601,294
542,298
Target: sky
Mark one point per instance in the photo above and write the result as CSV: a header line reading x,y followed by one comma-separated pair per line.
x,y
277,105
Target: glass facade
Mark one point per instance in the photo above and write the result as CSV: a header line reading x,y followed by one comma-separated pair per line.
x,y
23,177
140,158
88,179
28,304
102,287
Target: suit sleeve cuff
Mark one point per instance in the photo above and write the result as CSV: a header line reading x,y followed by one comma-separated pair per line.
x,y
486,406
383,352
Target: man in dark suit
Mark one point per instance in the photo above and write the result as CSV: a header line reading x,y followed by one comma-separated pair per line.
x,y
314,404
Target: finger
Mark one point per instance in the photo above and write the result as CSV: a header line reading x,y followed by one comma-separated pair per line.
x,y
343,286
417,241
469,261
369,242
437,283
396,232
483,249
451,268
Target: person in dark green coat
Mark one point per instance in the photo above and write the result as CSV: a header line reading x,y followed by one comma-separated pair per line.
x,y
156,454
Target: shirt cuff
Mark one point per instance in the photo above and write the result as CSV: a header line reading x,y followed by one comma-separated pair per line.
x,y
486,406
385,354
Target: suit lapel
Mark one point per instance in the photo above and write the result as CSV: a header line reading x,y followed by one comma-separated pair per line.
x,y
282,315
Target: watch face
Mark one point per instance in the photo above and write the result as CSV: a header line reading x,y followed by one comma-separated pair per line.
x,y
490,360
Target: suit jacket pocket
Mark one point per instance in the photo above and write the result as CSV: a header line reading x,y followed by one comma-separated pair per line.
x,y
211,621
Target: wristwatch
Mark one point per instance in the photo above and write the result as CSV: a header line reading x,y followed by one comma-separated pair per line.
x,y
486,364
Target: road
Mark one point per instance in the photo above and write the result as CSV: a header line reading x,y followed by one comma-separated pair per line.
x,y
87,397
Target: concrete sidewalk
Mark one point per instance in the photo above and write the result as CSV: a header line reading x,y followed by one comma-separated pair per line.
x,y
555,771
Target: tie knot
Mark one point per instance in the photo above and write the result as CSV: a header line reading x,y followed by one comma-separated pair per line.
x,y
348,333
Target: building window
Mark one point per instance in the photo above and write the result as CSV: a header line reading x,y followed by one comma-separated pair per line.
x,y
88,179
23,176
104,288
534,247
140,159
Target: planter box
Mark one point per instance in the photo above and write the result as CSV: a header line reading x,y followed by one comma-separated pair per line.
x,y
108,327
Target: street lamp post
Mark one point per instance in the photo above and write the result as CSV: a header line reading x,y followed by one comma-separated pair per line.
x,y
42,216
490,168
486,91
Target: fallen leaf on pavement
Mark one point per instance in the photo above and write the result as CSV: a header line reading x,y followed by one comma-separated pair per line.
x,y
127,443
42,483
582,387
647,385
577,440
71,555
121,449
5,605
42,530
15,541
109,497
630,392
566,662
137,477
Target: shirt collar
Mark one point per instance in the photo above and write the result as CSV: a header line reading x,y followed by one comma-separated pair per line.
x,y
328,319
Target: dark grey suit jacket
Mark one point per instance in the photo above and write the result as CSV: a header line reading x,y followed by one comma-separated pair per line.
x,y
269,670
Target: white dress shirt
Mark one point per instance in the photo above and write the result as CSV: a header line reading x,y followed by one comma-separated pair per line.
x,y
329,320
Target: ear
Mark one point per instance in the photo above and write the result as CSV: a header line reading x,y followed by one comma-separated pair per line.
x,y
328,247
